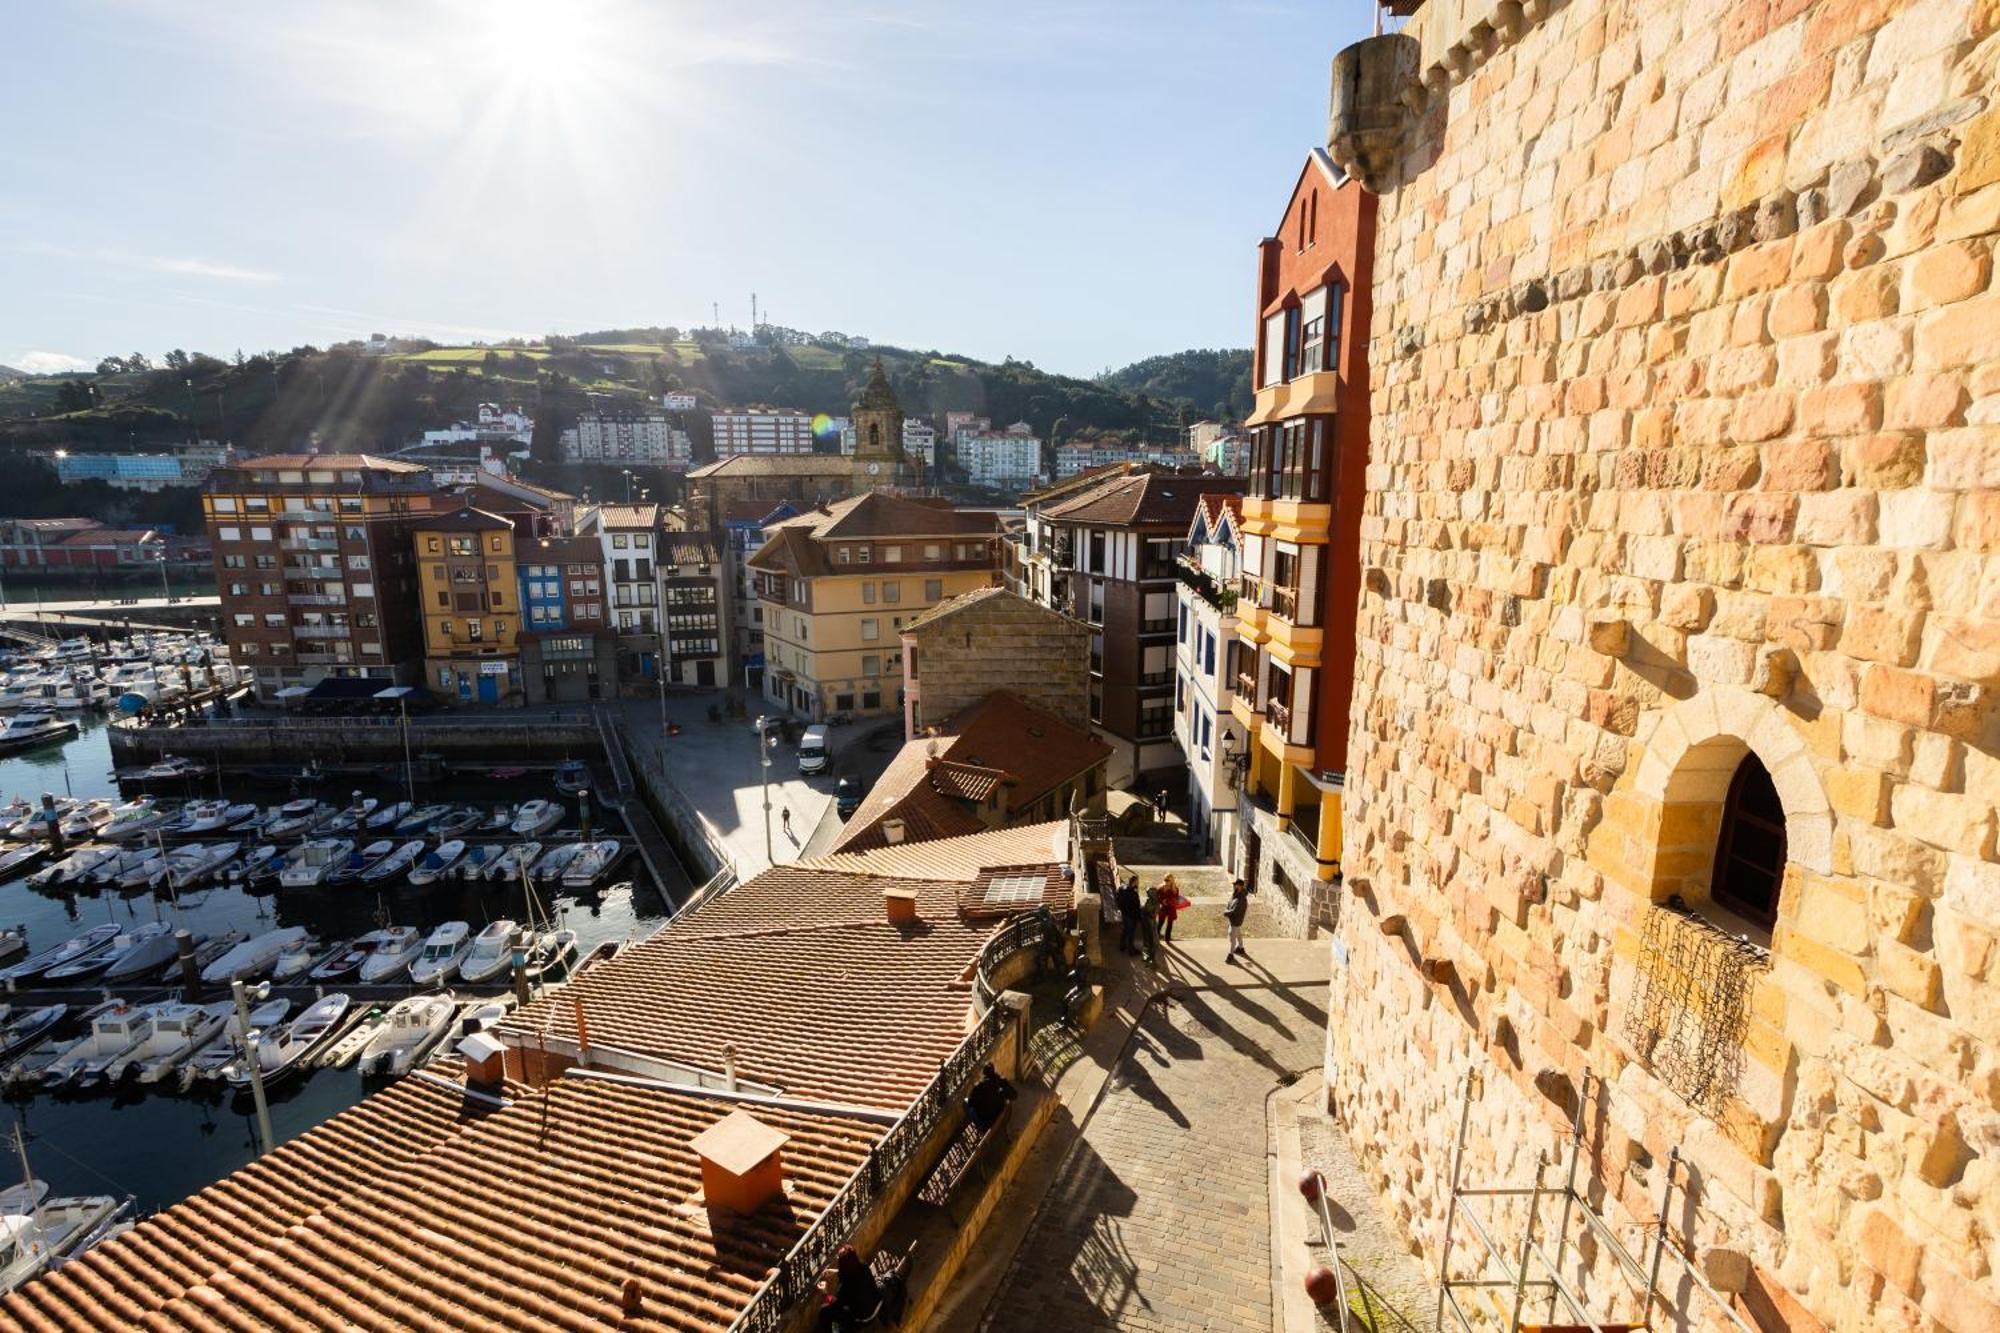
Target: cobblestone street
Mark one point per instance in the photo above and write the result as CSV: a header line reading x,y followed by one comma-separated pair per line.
x,y
1159,1217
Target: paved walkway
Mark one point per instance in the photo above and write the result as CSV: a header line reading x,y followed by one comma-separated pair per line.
x,y
1158,1217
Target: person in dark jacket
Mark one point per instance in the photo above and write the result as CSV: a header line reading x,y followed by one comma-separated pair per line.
x,y
1130,910
1238,908
988,1099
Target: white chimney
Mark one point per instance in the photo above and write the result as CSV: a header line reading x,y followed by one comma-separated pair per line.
x,y
892,831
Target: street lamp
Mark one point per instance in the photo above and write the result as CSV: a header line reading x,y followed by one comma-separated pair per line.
x,y
166,594
764,756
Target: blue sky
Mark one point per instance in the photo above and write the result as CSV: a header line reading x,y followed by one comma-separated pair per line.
x,y
1076,183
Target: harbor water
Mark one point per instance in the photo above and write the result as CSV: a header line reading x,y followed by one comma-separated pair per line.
x,y
158,1145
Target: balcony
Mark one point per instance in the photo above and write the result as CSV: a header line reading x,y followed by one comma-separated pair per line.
x,y
1205,586
1165,626
325,659
309,544
1279,716
316,598
1246,686
311,573
1285,604
321,631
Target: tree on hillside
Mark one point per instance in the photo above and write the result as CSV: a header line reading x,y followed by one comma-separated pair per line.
x,y
177,360
72,396
490,362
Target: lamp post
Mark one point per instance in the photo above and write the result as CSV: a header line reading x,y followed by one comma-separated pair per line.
x,y
166,594
241,995
409,774
764,757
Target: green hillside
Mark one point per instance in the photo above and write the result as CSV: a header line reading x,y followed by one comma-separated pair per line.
x,y
350,400
1215,382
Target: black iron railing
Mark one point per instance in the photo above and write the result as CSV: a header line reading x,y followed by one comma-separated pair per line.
x,y
1032,930
798,1273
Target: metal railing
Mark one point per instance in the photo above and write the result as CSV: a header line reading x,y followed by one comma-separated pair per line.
x,y
1333,1259
1156,626
797,1275
1246,686
1285,603
309,544
1304,828
316,599
320,631
1280,716
1032,930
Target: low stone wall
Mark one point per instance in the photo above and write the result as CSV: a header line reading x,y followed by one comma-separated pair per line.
x,y
348,740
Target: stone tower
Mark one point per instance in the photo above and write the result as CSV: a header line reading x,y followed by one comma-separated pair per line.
x,y
878,429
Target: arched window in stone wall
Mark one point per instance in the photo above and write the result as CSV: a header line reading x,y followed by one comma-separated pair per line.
x,y
1750,845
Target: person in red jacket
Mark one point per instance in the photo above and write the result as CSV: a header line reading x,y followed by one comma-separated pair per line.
x,y
1168,905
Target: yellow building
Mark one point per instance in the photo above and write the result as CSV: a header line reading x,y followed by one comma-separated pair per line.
x,y
469,593
839,583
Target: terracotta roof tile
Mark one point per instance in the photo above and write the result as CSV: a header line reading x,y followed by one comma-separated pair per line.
x,y
337,462
628,516
1149,495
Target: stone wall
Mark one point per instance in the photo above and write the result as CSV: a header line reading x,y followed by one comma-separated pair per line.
x,y
1002,642
1687,446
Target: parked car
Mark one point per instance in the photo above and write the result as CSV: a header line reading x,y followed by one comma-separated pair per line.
x,y
846,797
814,757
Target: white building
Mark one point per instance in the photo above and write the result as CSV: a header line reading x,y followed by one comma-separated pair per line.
x,y
628,535
1080,456
1003,460
1205,623
678,402
653,440
762,430
920,442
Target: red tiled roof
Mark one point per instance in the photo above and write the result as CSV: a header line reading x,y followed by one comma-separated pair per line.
x,y
338,462
1039,751
1147,496
628,516
534,1215
467,519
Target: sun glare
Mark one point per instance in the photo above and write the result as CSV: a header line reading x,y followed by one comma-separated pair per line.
x,y
541,45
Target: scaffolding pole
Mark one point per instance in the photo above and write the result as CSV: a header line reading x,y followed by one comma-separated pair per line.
x,y
1517,1275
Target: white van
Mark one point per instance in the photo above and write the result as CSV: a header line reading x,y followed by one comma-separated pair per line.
x,y
814,757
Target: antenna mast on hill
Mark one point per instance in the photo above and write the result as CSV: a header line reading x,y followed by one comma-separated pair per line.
x,y
753,312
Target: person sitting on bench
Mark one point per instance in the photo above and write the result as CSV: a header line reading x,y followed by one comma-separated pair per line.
x,y
856,1298
987,1101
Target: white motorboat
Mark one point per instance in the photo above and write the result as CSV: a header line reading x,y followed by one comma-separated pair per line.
x,y
25,1030
345,960
534,818
510,862
478,860
199,861
19,856
359,860
396,947
174,766
314,861
210,1060
593,860
572,776
146,951
179,1030
95,940
24,731
112,1033
443,951
209,816
283,1051
553,866
260,863
388,816
115,869
73,867
133,819
549,952
410,1029
435,865
87,818
294,959
252,956
296,817
57,1228
420,819
34,821
143,939
395,863
492,950
351,817
461,819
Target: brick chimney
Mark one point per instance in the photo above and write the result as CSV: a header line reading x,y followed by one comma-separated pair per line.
x,y
901,905
742,1162
892,831
485,1060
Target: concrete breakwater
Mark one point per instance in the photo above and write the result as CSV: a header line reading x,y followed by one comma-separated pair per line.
x,y
336,740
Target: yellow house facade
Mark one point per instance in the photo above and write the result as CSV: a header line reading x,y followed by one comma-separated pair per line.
x,y
838,585
469,592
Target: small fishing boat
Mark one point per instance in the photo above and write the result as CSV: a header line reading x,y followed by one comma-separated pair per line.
x,y
551,868
174,766
121,865
396,947
294,959
478,860
592,862
141,952
435,865
253,956
359,860
572,776
420,819
296,817
25,731
58,1228
345,959
498,822
87,818
388,816
95,940
549,952
133,819
72,867
112,1033
408,1031
508,867
260,863
351,817
213,947
18,857
141,939
285,1051
200,861
443,951
492,950
179,1030
314,861
209,816
462,819
534,818
210,1060
27,1029
395,863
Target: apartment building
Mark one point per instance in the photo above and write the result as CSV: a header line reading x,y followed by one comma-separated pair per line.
x,y
839,582
1301,530
1208,734
651,440
628,537
1225,449
694,607
568,654
743,524
315,567
146,473
1002,460
470,593
919,440
1104,547
1075,457
761,430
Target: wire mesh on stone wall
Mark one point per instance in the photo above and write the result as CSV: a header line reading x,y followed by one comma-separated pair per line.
x,y
1692,1006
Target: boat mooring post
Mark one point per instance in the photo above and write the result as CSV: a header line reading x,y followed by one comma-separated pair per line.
x,y
583,811
190,974
241,995
54,821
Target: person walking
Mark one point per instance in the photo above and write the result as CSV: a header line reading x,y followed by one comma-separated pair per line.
x,y
1238,908
785,821
1167,905
1130,909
